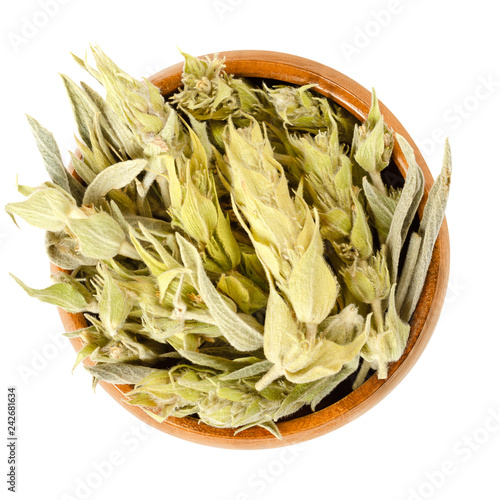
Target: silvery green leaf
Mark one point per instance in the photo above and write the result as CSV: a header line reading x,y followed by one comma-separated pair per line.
x,y
119,217
99,236
328,384
114,177
120,136
313,392
53,162
163,252
98,137
46,208
25,190
239,333
252,370
223,247
156,227
218,363
155,266
410,157
408,269
192,380
80,333
406,209
429,229
249,297
300,395
84,110
82,169
198,214
165,279
83,353
63,295
120,373
94,158
63,252
269,426
382,208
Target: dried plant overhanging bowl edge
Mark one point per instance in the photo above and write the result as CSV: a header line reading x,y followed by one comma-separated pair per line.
x,y
356,99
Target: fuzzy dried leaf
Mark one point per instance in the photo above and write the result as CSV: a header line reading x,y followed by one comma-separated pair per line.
x,y
114,177
238,331
99,236
63,295
53,162
120,373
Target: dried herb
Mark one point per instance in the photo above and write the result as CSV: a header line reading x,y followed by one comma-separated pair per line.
x,y
234,248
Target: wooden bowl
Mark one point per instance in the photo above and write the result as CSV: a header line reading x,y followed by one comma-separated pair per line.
x,y
356,99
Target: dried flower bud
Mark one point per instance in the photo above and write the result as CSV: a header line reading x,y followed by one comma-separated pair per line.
x,y
343,327
361,235
373,141
298,107
249,297
138,104
384,347
300,359
209,93
368,280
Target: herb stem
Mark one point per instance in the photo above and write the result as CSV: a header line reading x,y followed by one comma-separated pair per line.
x,y
163,184
275,372
311,329
378,315
377,181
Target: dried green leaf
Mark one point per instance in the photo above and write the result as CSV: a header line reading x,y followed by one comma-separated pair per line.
x,y
406,209
63,295
46,208
235,327
83,353
408,270
99,236
53,162
216,362
120,373
114,177
257,368
429,229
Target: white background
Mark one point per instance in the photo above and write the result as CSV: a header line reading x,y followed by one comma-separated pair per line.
x,y
429,62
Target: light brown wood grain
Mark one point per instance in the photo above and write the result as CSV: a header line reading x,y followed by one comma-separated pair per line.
x,y
356,99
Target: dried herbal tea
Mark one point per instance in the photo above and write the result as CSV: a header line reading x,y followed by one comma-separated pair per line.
x,y
233,247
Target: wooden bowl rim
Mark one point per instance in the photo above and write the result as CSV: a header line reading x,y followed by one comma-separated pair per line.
x,y
356,99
